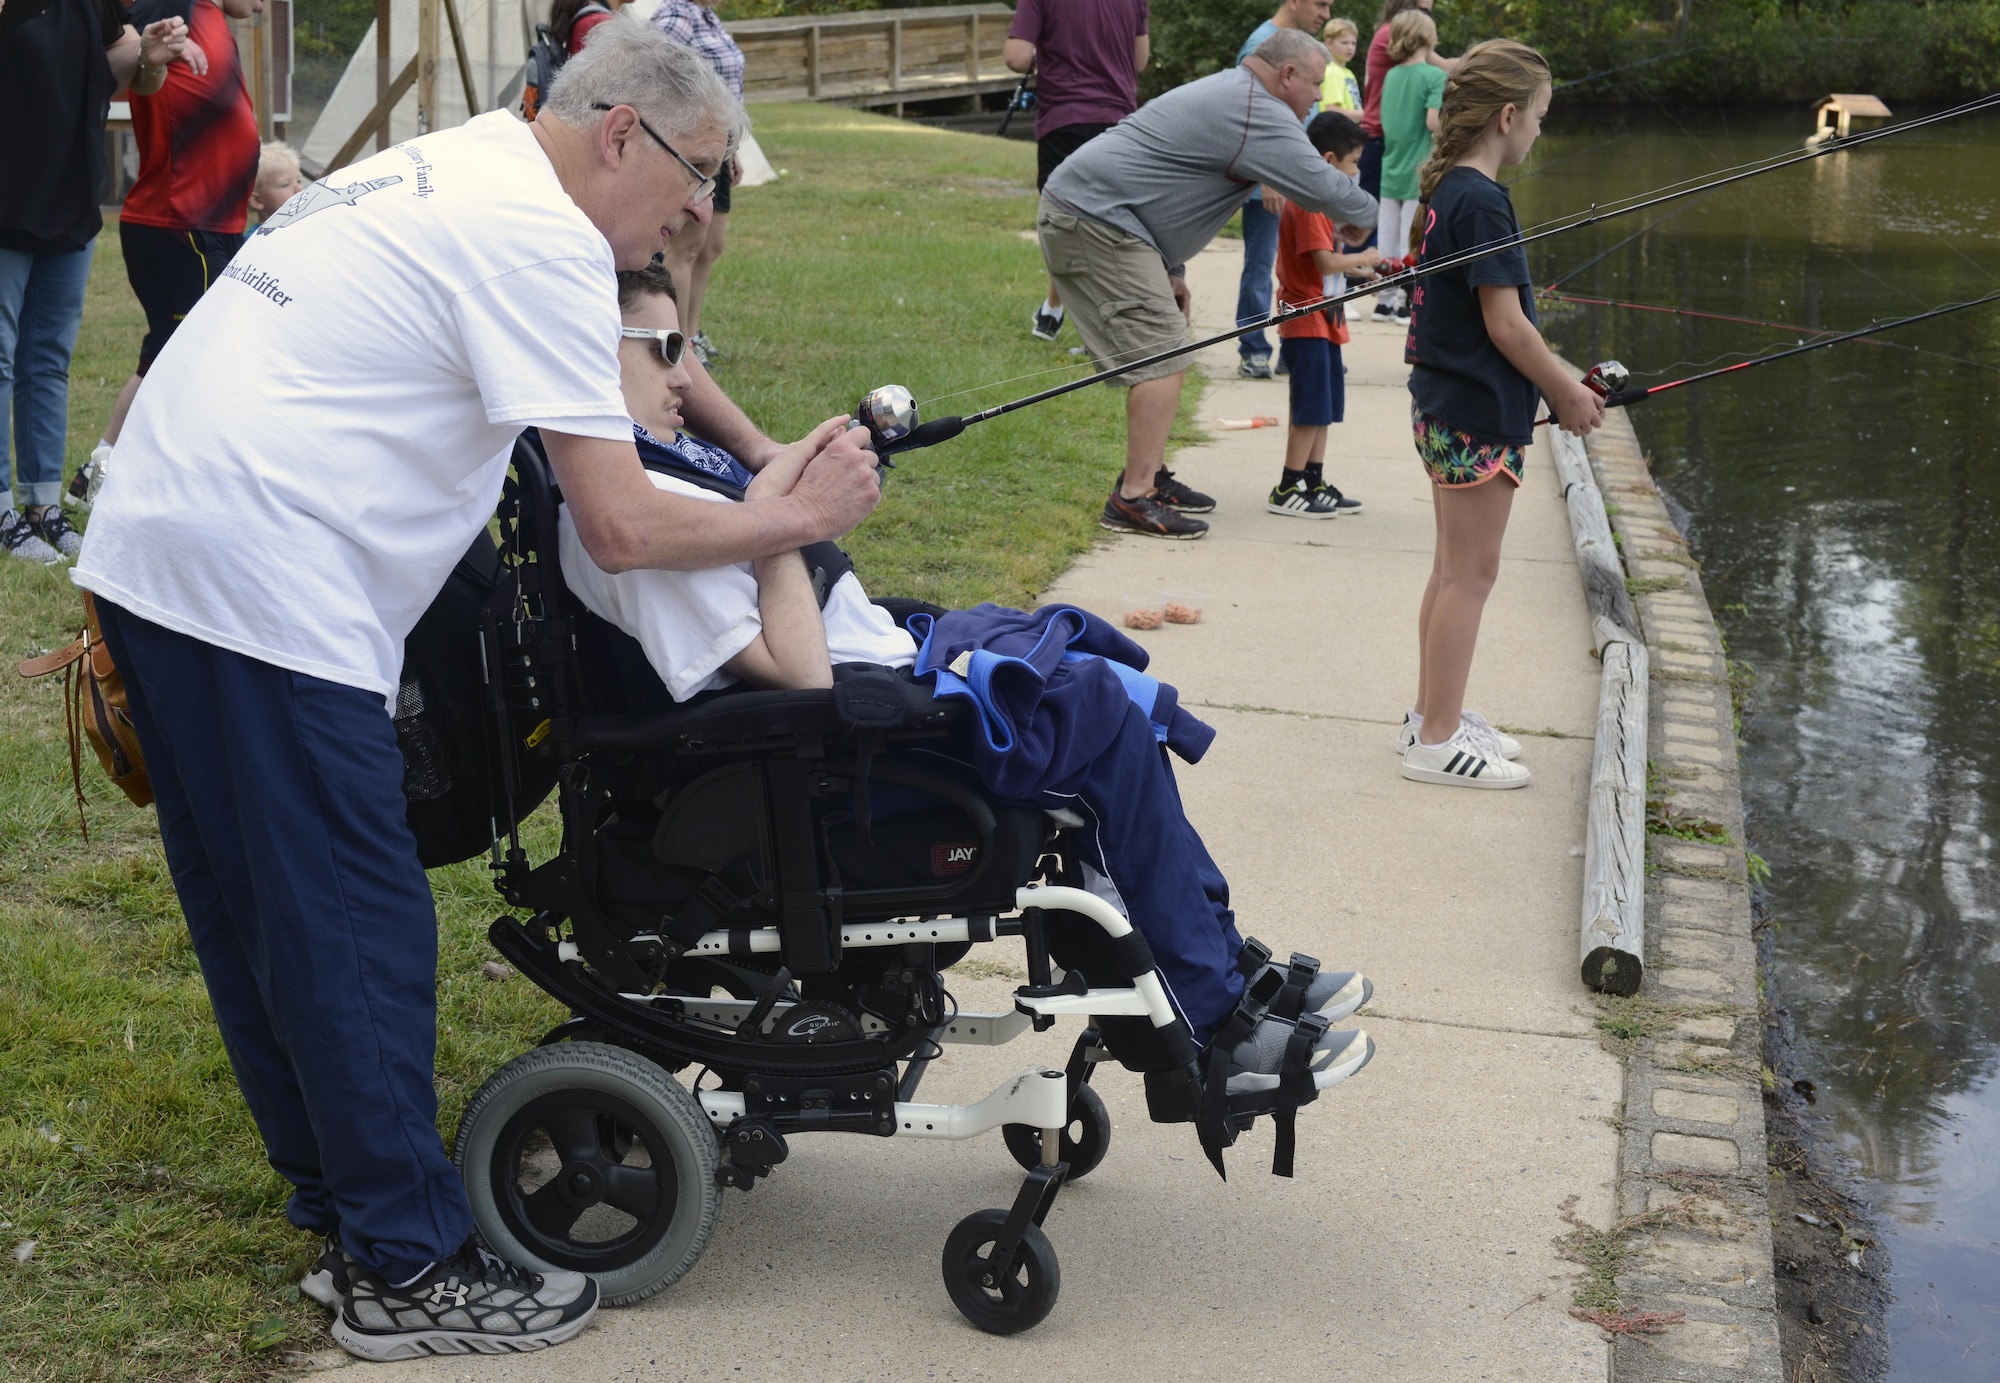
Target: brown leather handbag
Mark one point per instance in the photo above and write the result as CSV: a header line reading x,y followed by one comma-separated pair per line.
x,y
96,709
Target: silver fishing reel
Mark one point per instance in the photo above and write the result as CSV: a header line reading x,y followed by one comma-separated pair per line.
x,y
889,414
1608,377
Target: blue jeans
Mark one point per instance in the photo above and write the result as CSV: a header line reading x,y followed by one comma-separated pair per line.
x,y
281,808
41,306
1253,291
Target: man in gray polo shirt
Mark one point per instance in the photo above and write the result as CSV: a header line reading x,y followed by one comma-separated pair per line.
x,y
1121,217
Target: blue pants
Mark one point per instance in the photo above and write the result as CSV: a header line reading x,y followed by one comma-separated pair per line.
x,y
1318,381
41,306
1145,854
281,809
1253,290
1139,839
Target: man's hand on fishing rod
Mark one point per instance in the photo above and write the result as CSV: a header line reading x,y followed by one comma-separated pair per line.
x,y
837,484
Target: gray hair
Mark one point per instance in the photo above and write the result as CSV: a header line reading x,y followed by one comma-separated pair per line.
x,y
627,62
1294,46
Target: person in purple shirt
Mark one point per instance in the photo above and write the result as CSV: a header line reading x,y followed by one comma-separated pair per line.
x,y
1087,56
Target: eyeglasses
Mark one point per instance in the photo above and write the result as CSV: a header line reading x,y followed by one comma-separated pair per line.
x,y
670,344
704,183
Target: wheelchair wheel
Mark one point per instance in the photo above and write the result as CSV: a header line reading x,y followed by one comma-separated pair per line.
x,y
591,1158
1000,1303
1085,1139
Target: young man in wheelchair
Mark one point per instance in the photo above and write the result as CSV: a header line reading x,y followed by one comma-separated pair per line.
x,y
786,621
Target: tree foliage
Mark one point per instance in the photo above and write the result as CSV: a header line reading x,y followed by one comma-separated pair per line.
x,y
1733,50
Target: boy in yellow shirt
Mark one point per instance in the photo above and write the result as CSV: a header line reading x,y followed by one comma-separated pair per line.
x,y
1339,90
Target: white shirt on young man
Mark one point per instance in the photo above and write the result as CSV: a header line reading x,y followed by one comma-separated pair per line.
x,y
329,428
692,622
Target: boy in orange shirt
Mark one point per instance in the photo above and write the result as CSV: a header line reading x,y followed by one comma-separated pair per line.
x,y
1311,265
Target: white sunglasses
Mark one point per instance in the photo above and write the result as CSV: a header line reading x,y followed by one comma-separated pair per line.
x,y
670,344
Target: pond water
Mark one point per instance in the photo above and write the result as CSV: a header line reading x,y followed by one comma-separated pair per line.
x,y
1845,507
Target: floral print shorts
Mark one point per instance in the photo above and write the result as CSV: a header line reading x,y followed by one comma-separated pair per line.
x,y
1458,459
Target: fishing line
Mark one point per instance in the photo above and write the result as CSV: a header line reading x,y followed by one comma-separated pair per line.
x,y
1631,66
1597,259
943,429
1543,167
1742,321
1626,397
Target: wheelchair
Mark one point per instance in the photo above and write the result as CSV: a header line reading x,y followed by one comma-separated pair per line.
x,y
767,887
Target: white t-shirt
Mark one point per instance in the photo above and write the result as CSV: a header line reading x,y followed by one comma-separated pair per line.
x,y
692,622
329,428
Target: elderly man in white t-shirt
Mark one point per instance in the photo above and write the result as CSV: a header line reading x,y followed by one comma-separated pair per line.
x,y
316,447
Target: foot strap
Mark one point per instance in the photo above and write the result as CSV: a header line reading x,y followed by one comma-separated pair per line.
x,y
1289,1001
1300,974
1215,1127
1295,1088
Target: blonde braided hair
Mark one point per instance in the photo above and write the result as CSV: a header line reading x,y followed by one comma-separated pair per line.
x,y
1496,73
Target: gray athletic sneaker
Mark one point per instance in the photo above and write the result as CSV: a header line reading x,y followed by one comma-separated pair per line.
x,y
330,1275
1260,1058
473,1302
19,539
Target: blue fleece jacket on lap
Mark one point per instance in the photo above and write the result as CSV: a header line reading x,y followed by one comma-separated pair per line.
x,y
1052,688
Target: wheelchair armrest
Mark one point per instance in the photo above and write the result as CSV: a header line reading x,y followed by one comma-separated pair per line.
x,y
733,717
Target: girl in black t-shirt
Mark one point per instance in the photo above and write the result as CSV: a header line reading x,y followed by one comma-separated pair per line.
x,y
1479,366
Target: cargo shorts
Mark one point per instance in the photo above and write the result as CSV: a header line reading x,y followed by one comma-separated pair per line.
x,y
1115,288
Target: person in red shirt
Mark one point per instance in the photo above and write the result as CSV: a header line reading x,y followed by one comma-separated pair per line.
x,y
570,22
1374,69
1311,265
185,215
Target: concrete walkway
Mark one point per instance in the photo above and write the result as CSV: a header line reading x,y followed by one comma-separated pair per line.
x,y
1416,1241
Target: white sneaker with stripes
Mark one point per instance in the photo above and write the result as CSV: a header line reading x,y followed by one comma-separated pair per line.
x,y
1463,761
1495,741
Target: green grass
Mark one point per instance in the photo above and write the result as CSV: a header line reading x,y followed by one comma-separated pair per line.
x,y
126,1155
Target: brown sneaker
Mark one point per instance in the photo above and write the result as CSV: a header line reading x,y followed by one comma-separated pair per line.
x,y
1146,515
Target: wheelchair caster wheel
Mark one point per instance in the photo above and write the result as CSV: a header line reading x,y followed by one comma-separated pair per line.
x,y
1000,1303
1085,1139
590,1158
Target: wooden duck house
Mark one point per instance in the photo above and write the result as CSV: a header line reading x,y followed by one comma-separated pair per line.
x,y
1837,110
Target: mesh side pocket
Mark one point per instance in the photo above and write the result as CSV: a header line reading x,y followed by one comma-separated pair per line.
x,y
426,775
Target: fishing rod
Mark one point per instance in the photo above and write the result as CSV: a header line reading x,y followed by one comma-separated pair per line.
x,y
1613,382
890,412
1018,101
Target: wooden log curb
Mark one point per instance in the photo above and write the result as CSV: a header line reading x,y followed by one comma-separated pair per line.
x,y
1613,936
1692,1163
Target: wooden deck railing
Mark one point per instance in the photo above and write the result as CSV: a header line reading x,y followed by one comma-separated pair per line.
x,y
876,57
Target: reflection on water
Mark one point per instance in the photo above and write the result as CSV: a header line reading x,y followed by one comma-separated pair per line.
x,y
1846,510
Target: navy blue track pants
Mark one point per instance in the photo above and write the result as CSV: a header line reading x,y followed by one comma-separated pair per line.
x,y
1150,861
281,809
